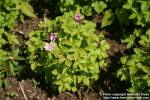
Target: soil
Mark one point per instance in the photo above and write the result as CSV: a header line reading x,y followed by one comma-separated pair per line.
x,y
27,90
30,91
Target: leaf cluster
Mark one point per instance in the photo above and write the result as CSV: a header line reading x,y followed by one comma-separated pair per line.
x,y
78,56
136,67
136,70
10,11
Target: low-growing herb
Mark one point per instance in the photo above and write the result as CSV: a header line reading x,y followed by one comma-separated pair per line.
x,y
74,54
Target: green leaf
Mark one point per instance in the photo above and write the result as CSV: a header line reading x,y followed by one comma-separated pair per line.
x,y
64,71
11,68
60,88
119,72
30,48
77,43
87,10
137,50
126,6
137,32
86,81
132,16
145,69
95,76
108,18
103,64
129,40
27,9
80,79
33,66
68,87
132,70
22,18
74,89
68,63
144,6
2,42
66,3
55,72
99,6
76,63
104,45
123,77
130,62
82,53
130,1
67,79
15,52
84,43
12,39
123,59
148,32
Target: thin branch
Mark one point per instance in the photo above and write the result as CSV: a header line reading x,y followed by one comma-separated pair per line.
x,y
22,90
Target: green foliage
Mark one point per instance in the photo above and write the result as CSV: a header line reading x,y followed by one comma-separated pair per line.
x,y
108,18
136,67
10,11
136,70
87,6
145,39
77,56
99,6
87,10
139,11
139,15
27,9
9,65
130,39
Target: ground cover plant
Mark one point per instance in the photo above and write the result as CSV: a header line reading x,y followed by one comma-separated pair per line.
x,y
10,11
70,48
68,51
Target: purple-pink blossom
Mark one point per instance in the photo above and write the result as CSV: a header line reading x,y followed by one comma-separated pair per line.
x,y
49,47
77,17
53,36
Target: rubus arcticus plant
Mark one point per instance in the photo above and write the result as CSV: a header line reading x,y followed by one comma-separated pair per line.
x,y
68,52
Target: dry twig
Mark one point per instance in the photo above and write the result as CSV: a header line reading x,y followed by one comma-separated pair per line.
x,y
25,97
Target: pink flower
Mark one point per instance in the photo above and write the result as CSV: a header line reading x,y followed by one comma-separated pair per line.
x,y
49,47
53,36
77,17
